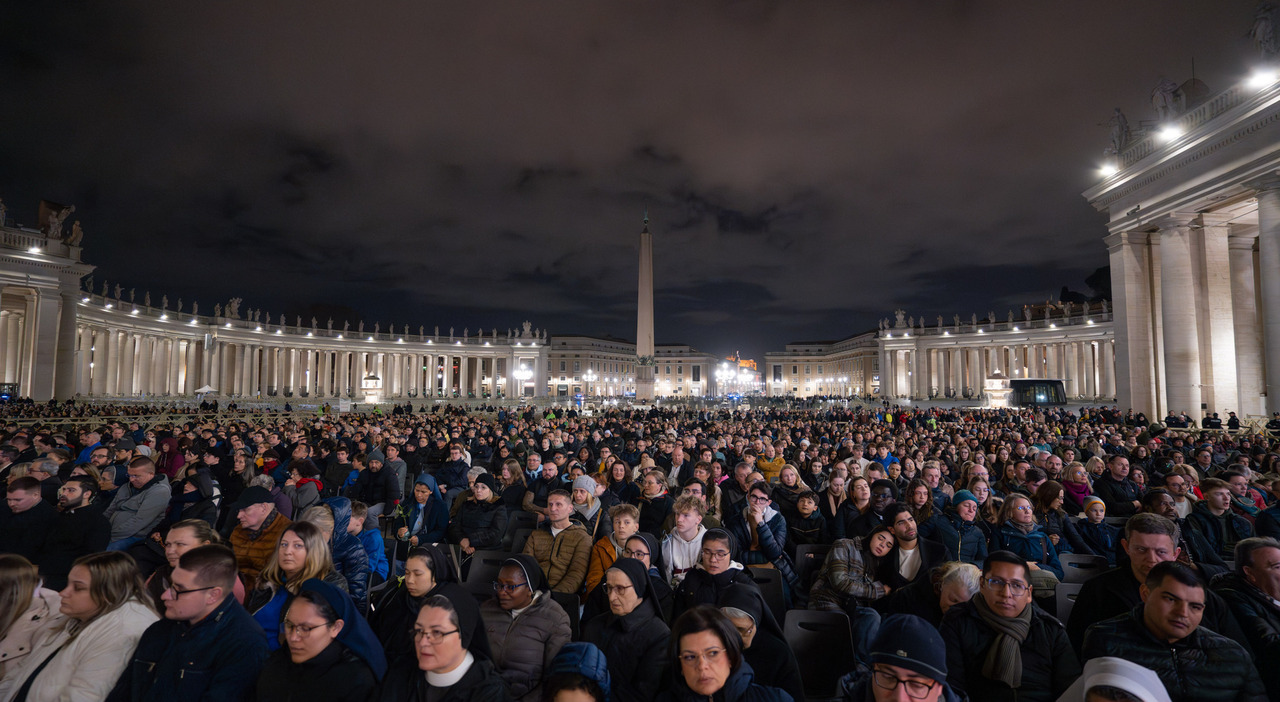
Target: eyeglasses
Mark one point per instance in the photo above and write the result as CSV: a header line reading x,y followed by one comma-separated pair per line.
x,y
173,590
711,655
714,555
628,553
610,589
759,498
916,689
433,637
301,629
505,587
1017,587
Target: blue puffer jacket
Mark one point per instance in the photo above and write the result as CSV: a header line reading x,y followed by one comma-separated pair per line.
x,y
1035,547
349,558
965,541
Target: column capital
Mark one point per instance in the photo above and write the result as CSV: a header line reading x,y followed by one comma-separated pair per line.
x,y
1264,183
1129,237
1242,240
1174,220
1216,219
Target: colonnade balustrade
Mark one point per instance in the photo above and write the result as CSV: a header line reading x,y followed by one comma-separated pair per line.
x,y
124,351
953,360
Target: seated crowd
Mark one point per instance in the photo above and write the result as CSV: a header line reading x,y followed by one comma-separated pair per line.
x,y
631,556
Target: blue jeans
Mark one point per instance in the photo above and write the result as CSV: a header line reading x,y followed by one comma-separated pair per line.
x,y
123,544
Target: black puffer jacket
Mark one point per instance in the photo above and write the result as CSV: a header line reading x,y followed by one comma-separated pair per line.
x,y
1260,619
739,687
636,647
481,523
1049,665
1203,667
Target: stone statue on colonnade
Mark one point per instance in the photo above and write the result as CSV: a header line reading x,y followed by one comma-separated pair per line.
x,y
74,239
1166,100
1263,31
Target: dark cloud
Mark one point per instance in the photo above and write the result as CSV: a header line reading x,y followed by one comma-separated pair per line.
x,y
807,167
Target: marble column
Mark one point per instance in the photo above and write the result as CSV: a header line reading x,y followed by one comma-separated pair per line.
x,y
1181,329
190,377
1245,327
12,342
1268,266
128,364
144,365
175,366
1131,285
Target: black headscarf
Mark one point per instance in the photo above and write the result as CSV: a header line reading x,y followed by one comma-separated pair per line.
x,y
532,571
441,566
356,634
636,573
654,548
749,600
447,586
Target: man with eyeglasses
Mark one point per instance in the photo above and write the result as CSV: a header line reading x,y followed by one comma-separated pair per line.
x,y
908,662
206,646
1179,487
1164,634
1000,646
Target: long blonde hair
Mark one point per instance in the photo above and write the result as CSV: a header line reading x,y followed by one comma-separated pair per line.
x,y
19,580
317,564
113,581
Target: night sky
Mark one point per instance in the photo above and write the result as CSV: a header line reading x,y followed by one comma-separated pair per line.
x,y
807,166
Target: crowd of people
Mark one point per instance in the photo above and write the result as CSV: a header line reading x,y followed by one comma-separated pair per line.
x,y
525,554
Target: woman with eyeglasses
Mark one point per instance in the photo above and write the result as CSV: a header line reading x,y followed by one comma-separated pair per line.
x,y
632,635
427,572
1020,534
708,652
526,628
715,572
447,666
329,653
646,549
301,554
764,645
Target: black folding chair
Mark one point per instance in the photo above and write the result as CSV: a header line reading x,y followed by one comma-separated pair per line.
x,y
482,569
823,644
1079,568
809,559
521,538
569,603
517,520
1065,599
769,580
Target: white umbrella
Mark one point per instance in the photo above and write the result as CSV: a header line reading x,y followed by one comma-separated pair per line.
x,y
206,388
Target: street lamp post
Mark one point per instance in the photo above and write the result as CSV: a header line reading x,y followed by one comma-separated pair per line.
x,y
590,377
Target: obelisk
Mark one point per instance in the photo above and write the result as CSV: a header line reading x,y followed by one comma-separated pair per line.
x,y
644,318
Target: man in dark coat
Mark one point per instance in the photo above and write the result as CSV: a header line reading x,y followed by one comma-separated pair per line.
x,y
1000,646
1164,635
78,531
1253,594
912,557
206,646
26,519
1121,495
848,523
1148,541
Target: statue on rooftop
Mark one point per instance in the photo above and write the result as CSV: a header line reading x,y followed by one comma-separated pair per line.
x,y
422,330
465,333
329,324
360,328
313,323
991,317
377,326
217,310
1026,313
1165,98
74,239
104,288
164,302
146,299
1120,133
1264,30
527,327
299,324
1010,316
346,326
88,285
53,226
1066,309
901,319
911,321
973,319
118,291
195,308
133,294
1104,306
436,332
179,309
3,212
233,308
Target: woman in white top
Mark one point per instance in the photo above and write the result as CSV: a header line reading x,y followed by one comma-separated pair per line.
x,y
107,609
27,610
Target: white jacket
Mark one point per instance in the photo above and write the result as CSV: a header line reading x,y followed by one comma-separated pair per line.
x,y
35,624
680,556
88,666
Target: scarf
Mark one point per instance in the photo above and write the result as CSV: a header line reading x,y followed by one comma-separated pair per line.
x,y
1079,491
304,481
1004,658
1024,528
